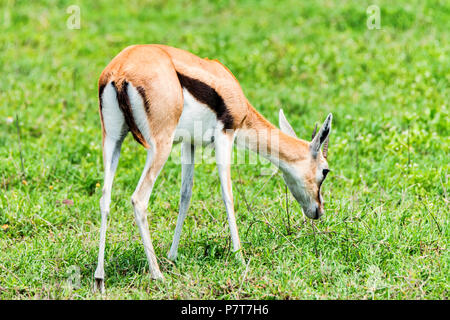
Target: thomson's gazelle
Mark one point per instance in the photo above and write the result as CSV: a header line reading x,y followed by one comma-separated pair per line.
x,y
160,94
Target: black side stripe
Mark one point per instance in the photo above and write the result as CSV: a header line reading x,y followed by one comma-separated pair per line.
x,y
207,95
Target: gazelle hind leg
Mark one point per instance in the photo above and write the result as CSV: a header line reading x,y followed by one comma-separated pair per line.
x,y
223,145
156,157
111,160
187,181
150,110
115,132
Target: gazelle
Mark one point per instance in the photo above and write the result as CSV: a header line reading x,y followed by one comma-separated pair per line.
x,y
162,94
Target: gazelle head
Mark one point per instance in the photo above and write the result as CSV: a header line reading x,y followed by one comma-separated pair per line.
x,y
305,176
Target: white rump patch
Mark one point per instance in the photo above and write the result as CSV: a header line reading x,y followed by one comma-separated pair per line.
x,y
113,120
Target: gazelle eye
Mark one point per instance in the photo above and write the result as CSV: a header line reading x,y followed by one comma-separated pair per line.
x,y
325,172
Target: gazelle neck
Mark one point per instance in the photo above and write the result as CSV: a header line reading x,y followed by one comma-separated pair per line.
x,y
259,135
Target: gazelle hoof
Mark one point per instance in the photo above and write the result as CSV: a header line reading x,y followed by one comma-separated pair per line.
x,y
172,256
158,276
99,285
239,257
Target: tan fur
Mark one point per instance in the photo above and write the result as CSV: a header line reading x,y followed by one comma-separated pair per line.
x,y
156,72
154,68
290,149
150,68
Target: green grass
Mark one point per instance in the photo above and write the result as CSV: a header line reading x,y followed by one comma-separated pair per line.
x,y
385,231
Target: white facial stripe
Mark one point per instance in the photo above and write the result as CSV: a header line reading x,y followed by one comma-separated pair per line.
x,y
322,165
319,175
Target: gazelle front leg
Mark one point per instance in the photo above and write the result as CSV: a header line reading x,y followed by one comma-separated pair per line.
x,y
187,181
223,145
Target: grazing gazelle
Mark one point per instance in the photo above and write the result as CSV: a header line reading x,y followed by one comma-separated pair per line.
x,y
165,95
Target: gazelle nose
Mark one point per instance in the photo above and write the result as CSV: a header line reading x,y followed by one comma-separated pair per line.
x,y
316,214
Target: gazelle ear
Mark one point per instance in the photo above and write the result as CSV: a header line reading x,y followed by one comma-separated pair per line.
x,y
321,137
285,126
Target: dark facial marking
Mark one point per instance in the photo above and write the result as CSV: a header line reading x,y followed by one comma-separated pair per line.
x,y
207,95
324,172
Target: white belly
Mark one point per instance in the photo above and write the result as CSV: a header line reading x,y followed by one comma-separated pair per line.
x,y
197,123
